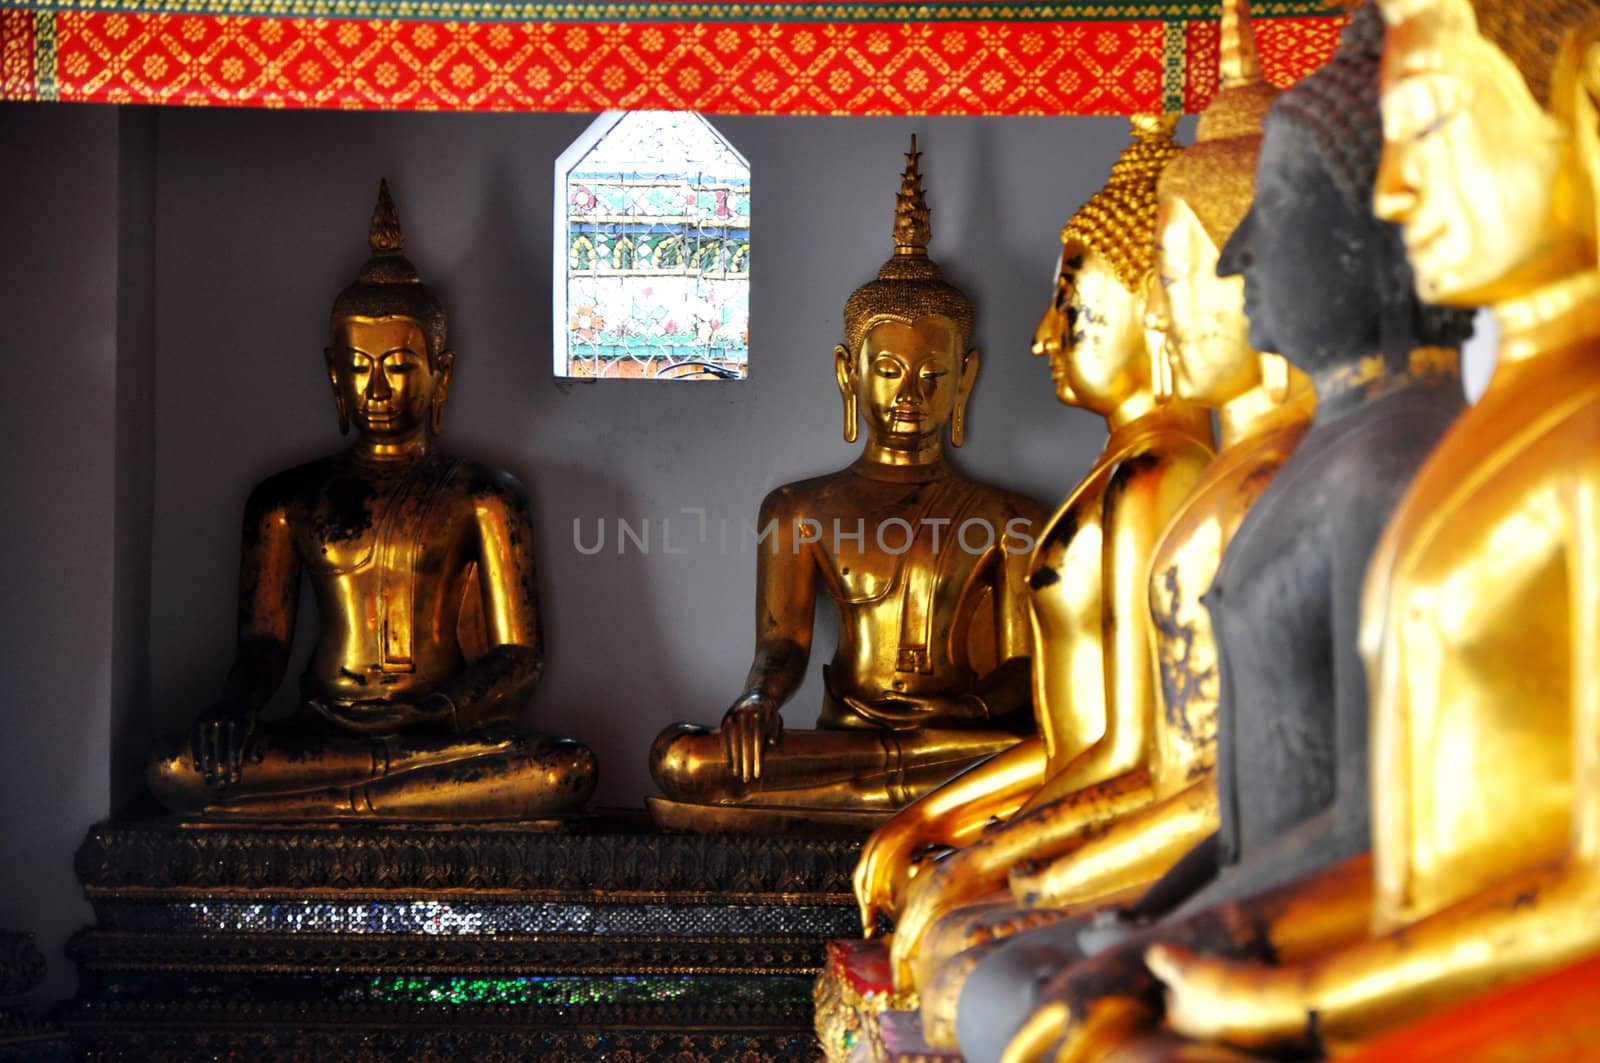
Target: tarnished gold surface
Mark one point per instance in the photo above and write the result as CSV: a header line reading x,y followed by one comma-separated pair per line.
x,y
422,566
1264,408
1094,678
1104,249
1090,835
1480,616
925,566
1103,840
772,819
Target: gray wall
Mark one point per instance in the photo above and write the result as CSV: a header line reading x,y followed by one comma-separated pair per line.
x,y
261,218
77,202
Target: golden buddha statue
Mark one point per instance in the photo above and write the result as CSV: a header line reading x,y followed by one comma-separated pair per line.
x,y
926,568
1105,263
1479,615
422,566
1095,678
1264,408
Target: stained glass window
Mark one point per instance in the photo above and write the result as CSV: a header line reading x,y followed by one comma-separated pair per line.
x,y
652,251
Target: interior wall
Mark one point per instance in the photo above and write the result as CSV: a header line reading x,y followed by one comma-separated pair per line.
x,y
63,220
261,218
135,454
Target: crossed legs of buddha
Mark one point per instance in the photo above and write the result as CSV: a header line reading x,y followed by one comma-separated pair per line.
x,y
856,770
487,773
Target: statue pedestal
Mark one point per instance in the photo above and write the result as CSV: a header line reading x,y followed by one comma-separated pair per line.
x,y
541,941
860,1017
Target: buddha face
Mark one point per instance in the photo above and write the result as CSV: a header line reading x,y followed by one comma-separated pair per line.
x,y
1207,342
1312,264
1092,333
382,378
1470,160
908,380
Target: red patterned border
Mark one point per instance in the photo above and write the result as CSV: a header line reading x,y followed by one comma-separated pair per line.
x,y
1290,48
973,68
19,73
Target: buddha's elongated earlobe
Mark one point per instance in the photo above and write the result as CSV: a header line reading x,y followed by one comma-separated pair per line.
x,y
1161,384
338,396
1275,377
958,416
843,372
441,391
1153,312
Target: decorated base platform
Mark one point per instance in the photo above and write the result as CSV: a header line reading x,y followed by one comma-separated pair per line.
x,y
1551,1018
601,939
860,1017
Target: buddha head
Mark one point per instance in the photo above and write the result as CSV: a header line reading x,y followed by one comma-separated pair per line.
x,y
1093,331
905,364
1325,280
387,358
1487,164
1202,197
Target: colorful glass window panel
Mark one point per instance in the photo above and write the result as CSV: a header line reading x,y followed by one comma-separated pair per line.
x,y
653,247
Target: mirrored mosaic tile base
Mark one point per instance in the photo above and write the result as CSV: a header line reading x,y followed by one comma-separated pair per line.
x,y
389,941
469,918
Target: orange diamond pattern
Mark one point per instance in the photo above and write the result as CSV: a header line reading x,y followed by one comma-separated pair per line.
x,y
967,67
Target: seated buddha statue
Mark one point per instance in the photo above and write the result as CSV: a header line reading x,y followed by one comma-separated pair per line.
x,y
1479,620
925,566
1264,408
422,568
1327,285
1095,677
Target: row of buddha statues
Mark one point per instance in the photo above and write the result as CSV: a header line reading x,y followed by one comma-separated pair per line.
x,y
1316,744
1275,735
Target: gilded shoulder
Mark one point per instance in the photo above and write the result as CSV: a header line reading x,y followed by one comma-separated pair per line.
x,y
488,489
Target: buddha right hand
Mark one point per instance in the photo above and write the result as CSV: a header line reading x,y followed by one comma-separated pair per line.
x,y
220,741
748,728
886,866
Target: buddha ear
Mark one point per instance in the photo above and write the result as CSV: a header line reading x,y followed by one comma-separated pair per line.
x,y
1275,377
1587,106
844,373
338,395
969,376
1150,306
441,390
1161,383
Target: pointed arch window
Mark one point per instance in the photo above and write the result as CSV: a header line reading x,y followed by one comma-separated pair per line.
x,y
652,251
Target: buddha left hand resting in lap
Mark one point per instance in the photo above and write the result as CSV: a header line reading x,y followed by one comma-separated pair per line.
x,y
422,569
925,566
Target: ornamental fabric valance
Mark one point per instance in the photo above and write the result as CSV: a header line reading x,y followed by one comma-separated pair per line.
x,y
973,57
